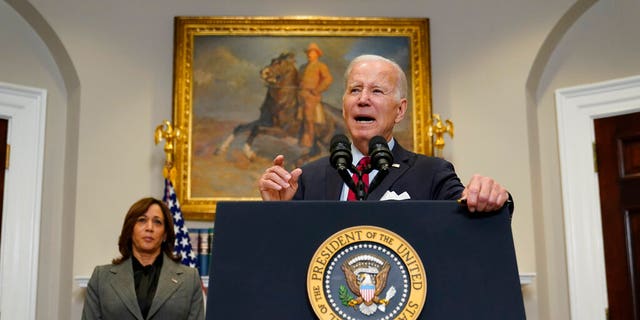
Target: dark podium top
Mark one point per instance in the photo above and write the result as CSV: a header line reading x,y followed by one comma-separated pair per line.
x,y
262,251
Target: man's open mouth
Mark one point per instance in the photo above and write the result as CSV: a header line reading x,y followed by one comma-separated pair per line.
x,y
364,119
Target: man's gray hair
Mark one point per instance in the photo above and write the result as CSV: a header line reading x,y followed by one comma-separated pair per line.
x,y
401,86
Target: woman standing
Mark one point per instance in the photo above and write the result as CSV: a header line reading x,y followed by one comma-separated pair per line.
x,y
147,281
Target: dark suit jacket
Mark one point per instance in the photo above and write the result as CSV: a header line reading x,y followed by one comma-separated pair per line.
x,y
422,177
111,293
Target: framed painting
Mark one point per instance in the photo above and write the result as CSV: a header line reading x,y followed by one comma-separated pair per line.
x,y
236,92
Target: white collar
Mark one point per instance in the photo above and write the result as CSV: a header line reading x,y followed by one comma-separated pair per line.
x,y
357,155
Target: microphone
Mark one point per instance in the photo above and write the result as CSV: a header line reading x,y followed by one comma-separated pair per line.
x,y
340,149
381,159
341,159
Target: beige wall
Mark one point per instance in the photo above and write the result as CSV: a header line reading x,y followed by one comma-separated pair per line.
x,y
99,130
604,44
25,60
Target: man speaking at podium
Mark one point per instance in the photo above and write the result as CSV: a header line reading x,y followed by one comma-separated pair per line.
x,y
374,101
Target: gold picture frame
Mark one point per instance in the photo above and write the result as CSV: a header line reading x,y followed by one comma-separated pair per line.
x,y
222,90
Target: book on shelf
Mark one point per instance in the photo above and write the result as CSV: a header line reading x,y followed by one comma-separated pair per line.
x,y
201,241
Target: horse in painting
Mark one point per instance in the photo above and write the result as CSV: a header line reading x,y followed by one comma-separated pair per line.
x,y
279,114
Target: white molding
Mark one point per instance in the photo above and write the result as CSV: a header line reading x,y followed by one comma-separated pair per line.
x,y
576,109
525,279
25,108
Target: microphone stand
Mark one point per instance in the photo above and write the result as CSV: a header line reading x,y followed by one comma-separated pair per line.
x,y
376,181
360,191
359,188
346,177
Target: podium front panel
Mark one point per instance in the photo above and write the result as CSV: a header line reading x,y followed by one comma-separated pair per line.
x,y
262,250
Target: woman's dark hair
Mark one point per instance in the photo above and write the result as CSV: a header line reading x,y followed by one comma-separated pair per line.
x,y
125,244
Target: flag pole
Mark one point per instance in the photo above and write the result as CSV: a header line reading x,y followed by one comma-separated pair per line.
x,y
183,246
171,135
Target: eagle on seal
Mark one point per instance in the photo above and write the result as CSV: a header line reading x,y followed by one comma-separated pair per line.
x,y
366,286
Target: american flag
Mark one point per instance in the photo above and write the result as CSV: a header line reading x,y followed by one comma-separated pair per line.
x,y
182,246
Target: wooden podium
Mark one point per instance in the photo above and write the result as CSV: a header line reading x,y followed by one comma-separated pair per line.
x,y
262,251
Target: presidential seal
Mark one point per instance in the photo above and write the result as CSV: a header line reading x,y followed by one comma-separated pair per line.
x,y
366,272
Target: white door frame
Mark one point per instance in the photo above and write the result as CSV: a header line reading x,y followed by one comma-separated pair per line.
x,y
25,108
576,108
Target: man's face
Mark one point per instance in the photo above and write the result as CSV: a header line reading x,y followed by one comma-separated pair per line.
x,y
312,55
370,104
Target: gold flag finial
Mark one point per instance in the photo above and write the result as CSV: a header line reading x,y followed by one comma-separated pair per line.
x,y
170,135
437,130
